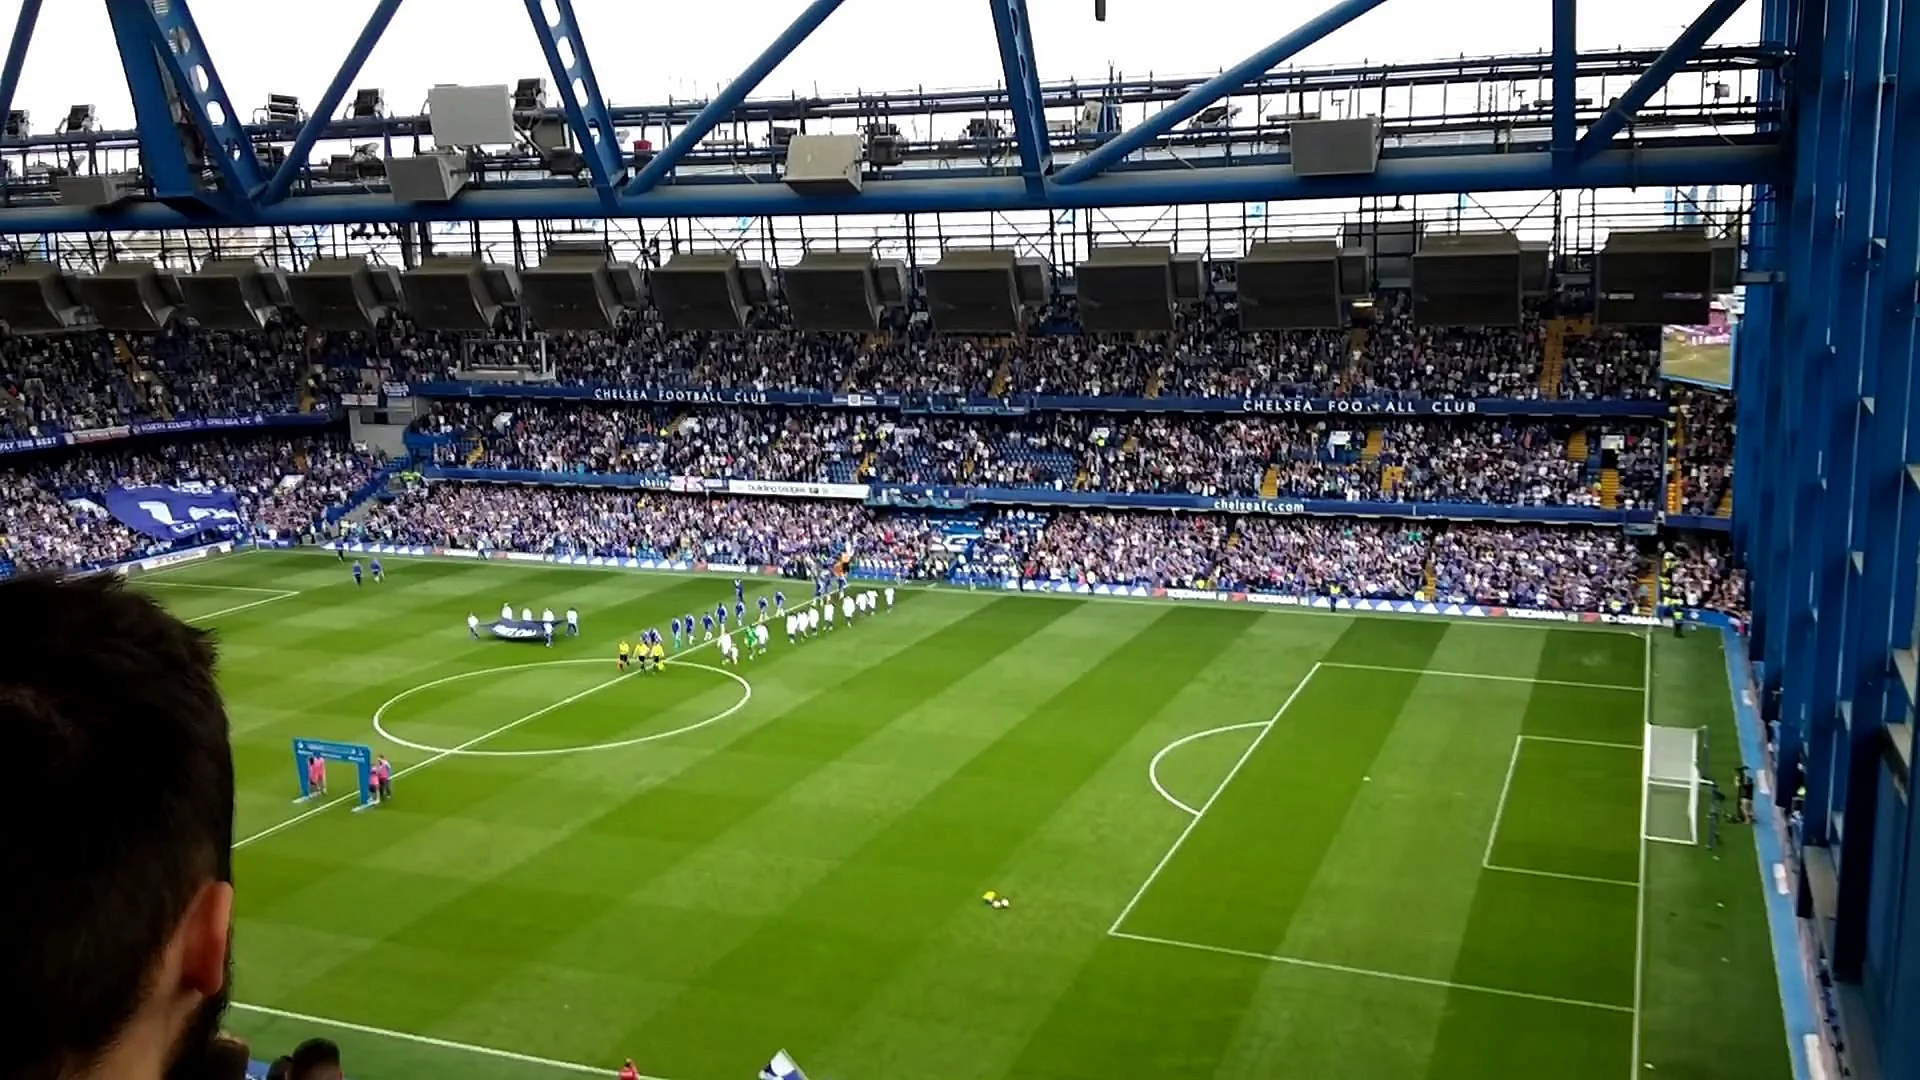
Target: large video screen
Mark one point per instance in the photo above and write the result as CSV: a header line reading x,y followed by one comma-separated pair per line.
x,y
1700,353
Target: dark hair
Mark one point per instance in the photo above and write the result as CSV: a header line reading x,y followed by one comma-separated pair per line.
x,y
313,1054
281,1069
122,808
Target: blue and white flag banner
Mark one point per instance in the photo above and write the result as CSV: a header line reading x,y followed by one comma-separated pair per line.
x,y
175,513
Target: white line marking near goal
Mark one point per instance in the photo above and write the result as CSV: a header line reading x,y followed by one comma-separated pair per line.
x,y
1558,876
1153,767
1500,808
1604,745
1205,806
1392,976
1484,676
746,696
428,1040
1640,909
223,588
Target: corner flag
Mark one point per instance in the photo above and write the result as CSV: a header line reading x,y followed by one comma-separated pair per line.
x,y
782,1067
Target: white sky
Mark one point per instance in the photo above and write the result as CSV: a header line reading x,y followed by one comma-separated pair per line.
x,y
645,51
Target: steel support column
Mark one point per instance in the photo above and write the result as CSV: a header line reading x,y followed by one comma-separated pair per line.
x,y
1877,489
17,54
1566,58
1022,76
580,98
184,58
329,102
1650,81
729,99
1228,81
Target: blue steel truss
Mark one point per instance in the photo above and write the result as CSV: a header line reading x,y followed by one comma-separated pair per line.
x,y
221,182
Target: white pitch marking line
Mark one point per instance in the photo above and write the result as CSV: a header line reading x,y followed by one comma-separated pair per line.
x,y
469,744
1153,767
1485,677
1558,876
1640,909
746,696
1205,806
1394,976
1583,742
1500,808
240,607
428,1040
223,588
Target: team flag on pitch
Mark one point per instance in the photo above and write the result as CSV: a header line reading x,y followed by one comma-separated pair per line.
x,y
782,1067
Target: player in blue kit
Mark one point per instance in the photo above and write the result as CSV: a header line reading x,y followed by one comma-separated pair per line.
x,y
720,613
819,587
763,609
739,613
375,567
356,572
675,627
739,590
706,627
779,602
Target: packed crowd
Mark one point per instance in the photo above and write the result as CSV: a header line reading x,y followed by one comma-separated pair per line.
x,y
1700,573
1465,461
83,380
1703,448
52,514
1565,569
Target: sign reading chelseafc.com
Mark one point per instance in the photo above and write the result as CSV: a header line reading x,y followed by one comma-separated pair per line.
x,y
174,513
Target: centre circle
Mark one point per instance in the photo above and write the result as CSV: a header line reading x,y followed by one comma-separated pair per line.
x,y
466,749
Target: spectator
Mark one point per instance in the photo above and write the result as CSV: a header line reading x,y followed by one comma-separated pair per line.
x,y
115,929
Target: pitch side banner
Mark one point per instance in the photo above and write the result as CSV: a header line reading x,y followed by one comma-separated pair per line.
x,y
167,513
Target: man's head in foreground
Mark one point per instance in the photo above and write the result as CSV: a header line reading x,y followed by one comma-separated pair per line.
x,y
115,915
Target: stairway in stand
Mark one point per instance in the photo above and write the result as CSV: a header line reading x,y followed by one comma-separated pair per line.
x,y
1577,446
1356,357
1553,358
1002,378
1270,483
1609,489
1725,508
865,468
1431,578
1390,478
1080,480
1675,494
1155,381
475,453
1647,596
1376,441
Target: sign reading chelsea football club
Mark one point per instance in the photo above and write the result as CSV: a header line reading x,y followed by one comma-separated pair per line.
x,y
1360,406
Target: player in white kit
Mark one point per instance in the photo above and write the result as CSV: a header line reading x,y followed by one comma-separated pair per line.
x,y
473,625
792,623
889,598
813,621
506,612
846,608
827,613
760,636
728,654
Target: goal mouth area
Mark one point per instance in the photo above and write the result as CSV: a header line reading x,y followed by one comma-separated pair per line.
x,y
1672,772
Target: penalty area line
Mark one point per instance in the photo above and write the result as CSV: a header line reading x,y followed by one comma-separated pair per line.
x,y
428,1040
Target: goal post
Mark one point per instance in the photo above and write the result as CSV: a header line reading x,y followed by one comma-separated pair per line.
x,y
306,752
1672,766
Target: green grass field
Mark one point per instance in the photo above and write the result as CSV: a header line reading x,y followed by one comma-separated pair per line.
x,y
1240,843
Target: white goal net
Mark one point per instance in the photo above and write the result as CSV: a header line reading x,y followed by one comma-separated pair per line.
x,y
1672,763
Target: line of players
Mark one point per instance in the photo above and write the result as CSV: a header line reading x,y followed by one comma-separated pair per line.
x,y
526,616
651,652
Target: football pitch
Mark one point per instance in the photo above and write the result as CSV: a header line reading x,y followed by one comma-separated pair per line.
x,y
1238,842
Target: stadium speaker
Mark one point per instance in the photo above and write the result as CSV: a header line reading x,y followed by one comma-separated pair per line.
x,y
451,294
1291,285
233,294
344,294
1335,147
1356,273
1469,279
1660,277
1189,278
833,290
1033,281
892,282
1536,261
1389,243
1126,288
824,164
571,290
1726,263
34,297
701,291
974,292
758,286
129,295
